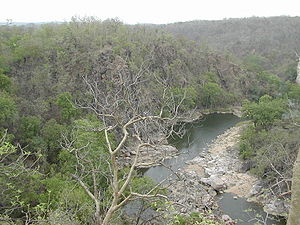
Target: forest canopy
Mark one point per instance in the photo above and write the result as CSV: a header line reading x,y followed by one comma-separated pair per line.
x,y
75,96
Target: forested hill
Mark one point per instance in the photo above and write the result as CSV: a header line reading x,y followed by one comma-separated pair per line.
x,y
70,93
46,60
275,38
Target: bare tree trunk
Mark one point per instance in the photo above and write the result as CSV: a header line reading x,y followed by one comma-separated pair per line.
x,y
108,216
298,73
294,215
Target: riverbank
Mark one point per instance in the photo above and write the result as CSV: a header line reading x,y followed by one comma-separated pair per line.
x,y
206,165
221,167
198,114
217,170
237,111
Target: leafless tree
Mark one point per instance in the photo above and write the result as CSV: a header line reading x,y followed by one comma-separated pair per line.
x,y
298,69
132,104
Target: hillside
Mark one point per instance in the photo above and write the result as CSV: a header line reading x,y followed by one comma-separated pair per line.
x,y
78,100
275,38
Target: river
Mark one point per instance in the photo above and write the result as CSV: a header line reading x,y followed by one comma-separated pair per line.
x,y
196,140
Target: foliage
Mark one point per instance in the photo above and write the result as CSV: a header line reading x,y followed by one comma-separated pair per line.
x,y
5,83
255,63
6,148
247,143
294,216
212,95
189,96
271,41
57,196
89,143
68,109
19,184
29,127
52,135
194,218
294,92
41,78
265,112
8,109
271,152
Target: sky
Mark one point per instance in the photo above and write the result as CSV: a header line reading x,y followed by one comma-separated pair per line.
x,y
144,11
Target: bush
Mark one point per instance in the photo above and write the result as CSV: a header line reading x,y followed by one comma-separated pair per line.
x,y
272,151
194,218
265,112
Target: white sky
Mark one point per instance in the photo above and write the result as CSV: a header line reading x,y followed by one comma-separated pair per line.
x,y
144,11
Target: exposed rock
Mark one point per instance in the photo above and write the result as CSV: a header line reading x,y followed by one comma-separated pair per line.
x,y
188,192
256,189
222,165
215,182
226,218
197,169
212,192
149,157
183,210
246,166
218,169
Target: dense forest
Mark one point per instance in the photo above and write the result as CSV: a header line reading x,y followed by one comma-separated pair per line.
x,y
76,96
273,38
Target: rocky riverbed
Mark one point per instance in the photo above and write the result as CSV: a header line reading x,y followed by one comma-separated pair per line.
x,y
215,170
218,170
149,156
221,167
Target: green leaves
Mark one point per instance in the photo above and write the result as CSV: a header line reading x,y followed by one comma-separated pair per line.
x,y
212,95
265,112
68,109
188,95
7,148
30,127
294,92
52,135
5,83
8,109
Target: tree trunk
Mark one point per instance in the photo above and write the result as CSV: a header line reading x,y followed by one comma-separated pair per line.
x,y
298,73
107,217
294,215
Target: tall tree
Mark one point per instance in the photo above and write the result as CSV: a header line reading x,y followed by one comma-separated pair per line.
x,y
130,113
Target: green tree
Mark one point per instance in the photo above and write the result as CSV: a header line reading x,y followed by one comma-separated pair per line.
x,y
212,95
189,96
19,181
265,112
52,135
67,108
8,109
5,83
29,127
294,92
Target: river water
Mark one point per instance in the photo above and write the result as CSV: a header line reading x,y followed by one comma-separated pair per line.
x,y
196,140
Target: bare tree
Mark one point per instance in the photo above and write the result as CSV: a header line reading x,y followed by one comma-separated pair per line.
x,y
132,104
298,69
